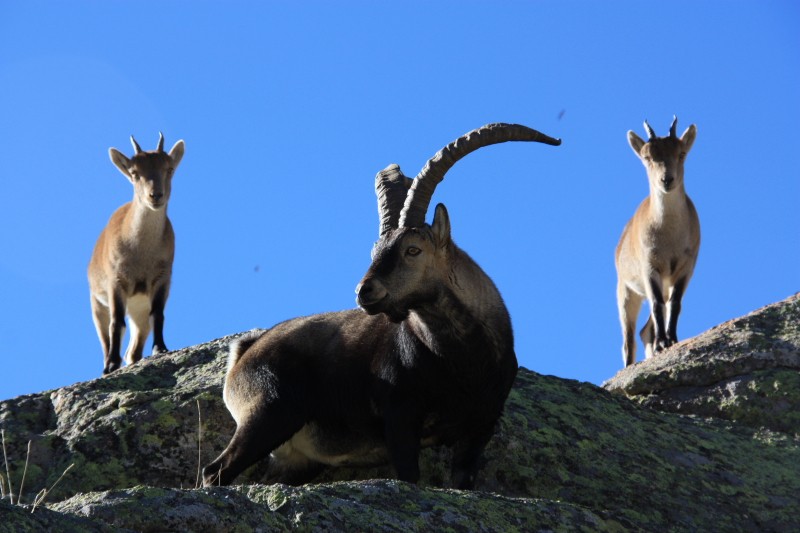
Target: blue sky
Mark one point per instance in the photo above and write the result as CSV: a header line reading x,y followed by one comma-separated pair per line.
x,y
289,109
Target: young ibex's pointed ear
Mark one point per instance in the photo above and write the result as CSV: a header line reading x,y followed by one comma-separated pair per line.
x,y
636,142
441,225
176,154
120,161
688,138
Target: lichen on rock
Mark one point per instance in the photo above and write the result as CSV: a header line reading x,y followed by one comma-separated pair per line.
x,y
746,370
700,438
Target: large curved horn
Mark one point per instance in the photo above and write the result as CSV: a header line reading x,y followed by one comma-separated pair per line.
x,y
419,195
160,147
391,188
650,133
672,129
136,149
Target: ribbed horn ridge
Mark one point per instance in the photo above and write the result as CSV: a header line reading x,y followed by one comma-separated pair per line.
x,y
160,147
136,149
391,188
650,133
421,191
672,129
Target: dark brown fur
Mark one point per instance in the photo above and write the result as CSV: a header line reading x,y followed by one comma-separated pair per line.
x,y
430,362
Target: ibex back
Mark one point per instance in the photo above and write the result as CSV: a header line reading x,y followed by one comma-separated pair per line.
x,y
131,267
430,362
657,252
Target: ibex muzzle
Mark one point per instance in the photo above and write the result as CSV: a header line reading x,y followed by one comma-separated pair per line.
x,y
356,388
407,267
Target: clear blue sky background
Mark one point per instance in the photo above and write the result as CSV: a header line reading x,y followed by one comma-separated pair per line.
x,y
289,109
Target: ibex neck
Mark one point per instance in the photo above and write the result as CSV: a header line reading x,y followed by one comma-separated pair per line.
x,y
467,315
667,204
144,223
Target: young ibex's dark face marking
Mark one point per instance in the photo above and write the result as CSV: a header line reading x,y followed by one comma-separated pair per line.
x,y
151,176
663,157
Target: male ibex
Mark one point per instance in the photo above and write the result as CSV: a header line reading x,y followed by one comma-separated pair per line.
x,y
430,362
658,249
131,266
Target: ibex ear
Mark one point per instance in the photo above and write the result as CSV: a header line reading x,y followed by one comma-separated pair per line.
x,y
441,225
688,138
120,161
176,154
636,143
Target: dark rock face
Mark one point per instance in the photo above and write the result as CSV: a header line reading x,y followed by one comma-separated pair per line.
x,y
566,456
746,370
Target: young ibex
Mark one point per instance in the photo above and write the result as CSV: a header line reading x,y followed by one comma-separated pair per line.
x,y
429,360
131,267
658,249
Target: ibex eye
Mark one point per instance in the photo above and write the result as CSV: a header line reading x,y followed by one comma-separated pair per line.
x,y
413,250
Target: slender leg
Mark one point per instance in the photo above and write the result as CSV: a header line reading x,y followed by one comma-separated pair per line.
x,y
657,311
674,309
102,321
116,332
402,430
157,312
466,459
648,337
628,303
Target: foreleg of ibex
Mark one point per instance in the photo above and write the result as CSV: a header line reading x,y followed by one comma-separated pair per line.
x,y
116,331
661,329
674,308
466,458
157,312
653,333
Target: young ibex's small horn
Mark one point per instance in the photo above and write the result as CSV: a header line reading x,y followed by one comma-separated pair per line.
x,y
419,196
160,147
650,133
136,147
672,129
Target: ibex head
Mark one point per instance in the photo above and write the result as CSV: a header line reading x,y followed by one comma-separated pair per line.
x,y
408,268
411,260
149,172
663,157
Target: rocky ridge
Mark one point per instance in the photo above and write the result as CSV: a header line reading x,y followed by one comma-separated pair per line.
x,y
702,437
